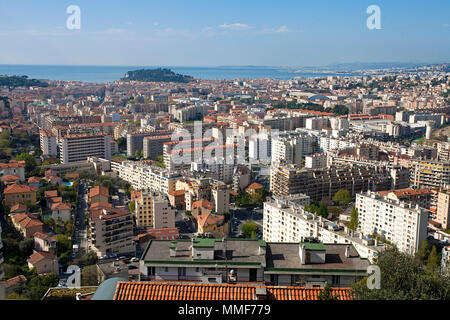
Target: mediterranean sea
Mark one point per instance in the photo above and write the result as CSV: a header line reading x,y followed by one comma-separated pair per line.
x,y
103,74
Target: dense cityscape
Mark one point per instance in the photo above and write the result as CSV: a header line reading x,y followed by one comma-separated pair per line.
x,y
128,182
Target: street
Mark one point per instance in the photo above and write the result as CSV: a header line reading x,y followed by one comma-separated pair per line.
x,y
239,216
80,237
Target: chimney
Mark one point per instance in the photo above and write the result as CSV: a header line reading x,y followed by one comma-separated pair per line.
x,y
361,235
376,242
261,293
302,254
347,251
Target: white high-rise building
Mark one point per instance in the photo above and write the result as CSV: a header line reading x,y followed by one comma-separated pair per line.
x,y
153,210
48,143
79,147
398,222
142,175
221,197
292,147
285,220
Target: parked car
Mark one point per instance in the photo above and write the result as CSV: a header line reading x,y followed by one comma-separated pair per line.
x,y
134,259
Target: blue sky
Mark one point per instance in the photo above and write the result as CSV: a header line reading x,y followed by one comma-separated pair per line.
x,y
217,33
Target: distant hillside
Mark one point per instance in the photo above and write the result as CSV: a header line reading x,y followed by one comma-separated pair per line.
x,y
156,75
21,81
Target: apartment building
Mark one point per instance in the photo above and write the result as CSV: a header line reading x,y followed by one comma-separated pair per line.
x,y
286,221
420,197
153,146
292,147
323,183
75,148
400,176
443,209
316,160
195,189
111,231
154,211
135,140
237,261
181,159
429,174
327,143
217,170
398,222
143,175
48,143
241,177
220,195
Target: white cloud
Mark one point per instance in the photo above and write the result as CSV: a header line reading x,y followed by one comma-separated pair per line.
x,y
283,29
235,26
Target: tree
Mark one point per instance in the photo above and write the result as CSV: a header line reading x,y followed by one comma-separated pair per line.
x,y
343,197
133,206
340,109
354,222
424,251
403,277
30,161
39,284
326,293
26,246
90,258
433,261
89,276
248,228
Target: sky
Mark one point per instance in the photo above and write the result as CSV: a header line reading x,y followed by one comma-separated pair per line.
x,y
223,33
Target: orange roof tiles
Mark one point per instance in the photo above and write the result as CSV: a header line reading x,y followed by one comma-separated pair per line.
x,y
255,185
209,219
182,291
51,193
39,255
302,293
61,206
98,190
156,290
203,203
18,188
18,208
12,164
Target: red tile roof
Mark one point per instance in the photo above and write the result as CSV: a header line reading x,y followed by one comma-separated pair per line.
x,y
181,291
302,293
99,190
39,255
13,164
203,203
51,193
255,185
61,206
19,188
18,208
156,290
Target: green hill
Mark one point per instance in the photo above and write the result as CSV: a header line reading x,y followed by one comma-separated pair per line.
x,y
21,81
156,75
